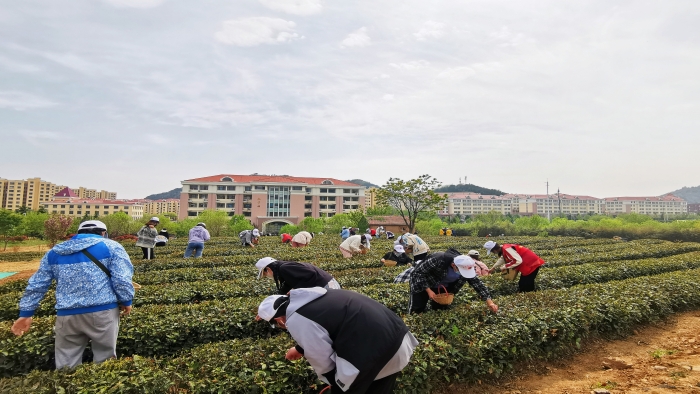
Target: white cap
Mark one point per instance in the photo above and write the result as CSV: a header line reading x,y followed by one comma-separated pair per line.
x,y
473,253
399,248
488,246
88,224
465,264
267,309
256,232
262,263
155,219
202,224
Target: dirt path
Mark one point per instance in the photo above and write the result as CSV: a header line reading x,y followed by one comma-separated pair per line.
x,y
24,269
32,248
664,358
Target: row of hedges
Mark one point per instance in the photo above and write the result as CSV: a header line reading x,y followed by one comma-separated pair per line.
x,y
162,329
463,344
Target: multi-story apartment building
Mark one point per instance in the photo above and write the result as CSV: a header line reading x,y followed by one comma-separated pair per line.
x,y
31,192
474,204
555,204
269,201
694,208
157,207
371,197
664,205
68,203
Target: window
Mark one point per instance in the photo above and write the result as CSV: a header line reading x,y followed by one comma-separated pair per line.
x,y
221,188
230,187
194,187
308,198
230,205
246,213
203,187
323,206
259,187
70,212
56,206
307,214
297,188
126,208
327,182
220,205
308,190
106,212
248,188
227,179
191,213
247,205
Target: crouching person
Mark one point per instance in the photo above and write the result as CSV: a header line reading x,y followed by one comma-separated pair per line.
x,y
93,282
354,343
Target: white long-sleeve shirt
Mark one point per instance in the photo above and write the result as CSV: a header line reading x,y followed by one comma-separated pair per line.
x,y
303,237
352,243
515,255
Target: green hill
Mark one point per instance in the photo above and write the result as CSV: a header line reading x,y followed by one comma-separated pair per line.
x,y
690,194
361,182
175,193
469,188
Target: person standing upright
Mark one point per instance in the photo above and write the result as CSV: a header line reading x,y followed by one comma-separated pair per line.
x,y
93,282
147,238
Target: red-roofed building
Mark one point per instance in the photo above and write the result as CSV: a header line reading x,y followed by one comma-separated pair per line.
x,y
65,193
79,207
269,201
654,206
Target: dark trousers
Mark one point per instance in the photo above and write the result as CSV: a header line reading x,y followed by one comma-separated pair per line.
x,y
419,301
382,386
419,257
148,253
527,283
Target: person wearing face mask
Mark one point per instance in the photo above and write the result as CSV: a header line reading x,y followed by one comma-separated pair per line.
x,y
449,269
398,254
354,343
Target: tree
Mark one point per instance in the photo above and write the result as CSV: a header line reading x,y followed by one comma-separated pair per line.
x,y
118,223
56,228
409,198
33,224
9,222
42,209
23,210
239,223
216,221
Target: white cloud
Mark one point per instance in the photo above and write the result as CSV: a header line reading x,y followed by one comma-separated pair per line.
x,y
135,3
157,139
411,66
457,73
358,38
430,29
40,137
388,97
254,31
21,101
296,7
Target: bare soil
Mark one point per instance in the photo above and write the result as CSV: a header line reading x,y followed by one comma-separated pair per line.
x,y
25,248
662,358
24,269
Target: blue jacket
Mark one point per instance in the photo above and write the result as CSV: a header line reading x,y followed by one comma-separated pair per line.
x,y
344,234
81,286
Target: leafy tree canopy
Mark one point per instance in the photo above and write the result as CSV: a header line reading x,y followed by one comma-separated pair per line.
x,y
410,198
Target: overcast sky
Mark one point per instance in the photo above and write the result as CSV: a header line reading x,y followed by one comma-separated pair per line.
x,y
601,97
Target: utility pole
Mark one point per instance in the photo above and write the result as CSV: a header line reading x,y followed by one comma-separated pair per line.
x,y
559,198
549,213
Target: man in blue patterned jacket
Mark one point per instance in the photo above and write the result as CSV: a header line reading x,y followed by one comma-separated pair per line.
x,y
93,282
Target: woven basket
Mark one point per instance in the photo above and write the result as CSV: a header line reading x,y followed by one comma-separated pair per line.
x,y
136,286
510,274
443,298
389,263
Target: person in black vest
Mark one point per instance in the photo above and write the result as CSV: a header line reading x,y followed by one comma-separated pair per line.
x,y
290,275
354,343
398,254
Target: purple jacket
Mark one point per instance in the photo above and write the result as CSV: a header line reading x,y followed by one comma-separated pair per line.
x,y
198,234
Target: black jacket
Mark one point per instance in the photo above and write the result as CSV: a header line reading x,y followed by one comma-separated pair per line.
x,y
402,259
295,275
347,337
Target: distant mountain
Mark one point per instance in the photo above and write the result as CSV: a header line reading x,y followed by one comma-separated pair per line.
x,y
469,188
690,194
175,193
361,183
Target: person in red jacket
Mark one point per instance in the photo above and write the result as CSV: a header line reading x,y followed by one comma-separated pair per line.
x,y
519,258
286,238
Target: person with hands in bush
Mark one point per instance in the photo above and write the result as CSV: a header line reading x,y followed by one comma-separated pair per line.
x,y
147,238
518,258
93,282
198,235
290,275
354,343
354,245
302,239
450,270
480,267
415,246
398,254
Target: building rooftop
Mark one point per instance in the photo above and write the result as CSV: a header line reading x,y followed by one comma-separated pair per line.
x,y
667,197
66,193
271,179
386,221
